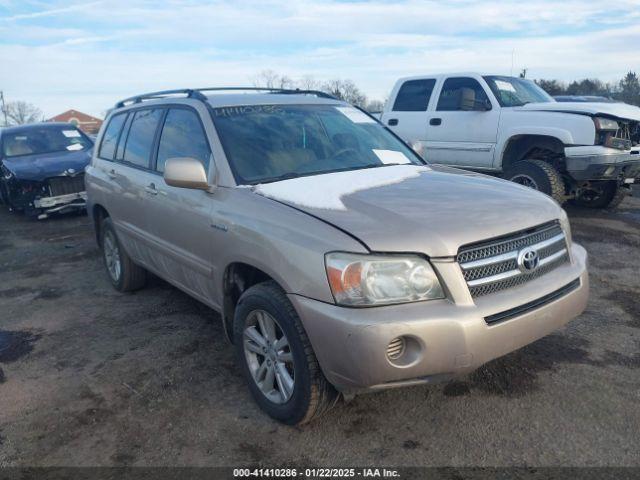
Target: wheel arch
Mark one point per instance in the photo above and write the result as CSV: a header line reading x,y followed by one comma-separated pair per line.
x,y
237,278
98,214
526,146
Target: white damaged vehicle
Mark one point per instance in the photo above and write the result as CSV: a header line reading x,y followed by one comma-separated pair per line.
x,y
588,152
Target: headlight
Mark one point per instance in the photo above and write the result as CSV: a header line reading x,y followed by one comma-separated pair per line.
x,y
605,123
364,280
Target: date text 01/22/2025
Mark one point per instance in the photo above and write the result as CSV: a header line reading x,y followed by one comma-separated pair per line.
x,y
316,472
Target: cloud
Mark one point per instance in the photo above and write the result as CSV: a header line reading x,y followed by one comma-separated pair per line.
x,y
52,12
89,57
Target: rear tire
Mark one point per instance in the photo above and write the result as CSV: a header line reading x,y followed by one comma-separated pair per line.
x,y
607,194
539,175
124,274
262,360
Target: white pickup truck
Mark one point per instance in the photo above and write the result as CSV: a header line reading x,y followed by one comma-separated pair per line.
x,y
588,152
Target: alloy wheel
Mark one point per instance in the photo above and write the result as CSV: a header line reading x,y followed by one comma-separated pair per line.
x,y
269,357
526,181
112,256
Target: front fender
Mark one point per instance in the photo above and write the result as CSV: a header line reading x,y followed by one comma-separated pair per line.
x,y
569,129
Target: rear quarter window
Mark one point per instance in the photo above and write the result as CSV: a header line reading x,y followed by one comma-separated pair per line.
x,y
414,96
110,137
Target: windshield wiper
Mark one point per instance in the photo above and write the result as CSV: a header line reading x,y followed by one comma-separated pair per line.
x,y
284,176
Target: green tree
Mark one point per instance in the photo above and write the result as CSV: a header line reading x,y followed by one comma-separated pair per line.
x,y
629,89
552,87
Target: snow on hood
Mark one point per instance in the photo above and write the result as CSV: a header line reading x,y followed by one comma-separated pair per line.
x,y
407,208
326,191
620,110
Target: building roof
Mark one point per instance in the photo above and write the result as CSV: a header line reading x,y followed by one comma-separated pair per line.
x,y
82,117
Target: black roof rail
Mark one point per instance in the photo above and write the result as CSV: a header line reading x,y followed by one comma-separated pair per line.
x,y
197,94
286,91
189,92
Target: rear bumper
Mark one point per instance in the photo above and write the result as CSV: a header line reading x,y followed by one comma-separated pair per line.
x,y
445,339
602,163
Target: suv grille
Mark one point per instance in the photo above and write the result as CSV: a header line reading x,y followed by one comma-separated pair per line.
x,y
493,265
66,185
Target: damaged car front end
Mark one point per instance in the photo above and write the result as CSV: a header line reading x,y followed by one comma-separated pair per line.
x,y
42,168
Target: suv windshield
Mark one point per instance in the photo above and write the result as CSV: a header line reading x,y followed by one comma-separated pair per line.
x,y
515,92
44,139
266,143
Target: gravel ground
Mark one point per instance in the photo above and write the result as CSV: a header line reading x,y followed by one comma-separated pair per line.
x,y
89,376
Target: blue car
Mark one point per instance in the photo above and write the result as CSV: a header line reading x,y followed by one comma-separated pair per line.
x,y
42,168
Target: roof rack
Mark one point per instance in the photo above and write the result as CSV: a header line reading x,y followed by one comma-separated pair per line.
x,y
197,94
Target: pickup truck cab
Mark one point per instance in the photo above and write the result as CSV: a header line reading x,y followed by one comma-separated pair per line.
x,y
509,126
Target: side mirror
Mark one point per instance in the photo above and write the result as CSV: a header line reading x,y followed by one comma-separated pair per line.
x,y
185,172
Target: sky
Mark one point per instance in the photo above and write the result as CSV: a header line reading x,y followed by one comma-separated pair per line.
x,y
62,55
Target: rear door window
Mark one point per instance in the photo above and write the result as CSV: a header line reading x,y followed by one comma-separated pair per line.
x,y
453,90
182,136
414,96
110,137
137,150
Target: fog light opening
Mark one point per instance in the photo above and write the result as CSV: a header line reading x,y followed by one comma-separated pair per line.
x,y
404,351
396,348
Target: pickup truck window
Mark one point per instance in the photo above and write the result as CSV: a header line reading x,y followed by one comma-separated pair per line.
x,y
137,150
182,136
110,137
266,143
414,95
452,92
515,92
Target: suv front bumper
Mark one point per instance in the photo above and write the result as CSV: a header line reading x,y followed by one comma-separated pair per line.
x,y
61,203
446,338
602,163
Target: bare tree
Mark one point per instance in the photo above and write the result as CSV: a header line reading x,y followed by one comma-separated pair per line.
x,y
308,82
345,90
271,79
19,113
375,106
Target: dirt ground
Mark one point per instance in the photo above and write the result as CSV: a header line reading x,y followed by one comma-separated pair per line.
x,y
89,376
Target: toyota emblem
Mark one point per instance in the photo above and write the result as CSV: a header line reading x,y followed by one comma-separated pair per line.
x,y
528,260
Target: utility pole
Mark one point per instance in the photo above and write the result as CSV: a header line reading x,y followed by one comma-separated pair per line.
x,y
4,108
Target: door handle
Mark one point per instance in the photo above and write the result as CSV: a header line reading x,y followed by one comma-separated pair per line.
x,y
112,173
435,121
151,189
393,122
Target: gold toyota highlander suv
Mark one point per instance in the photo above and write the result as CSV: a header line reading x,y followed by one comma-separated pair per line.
x,y
339,260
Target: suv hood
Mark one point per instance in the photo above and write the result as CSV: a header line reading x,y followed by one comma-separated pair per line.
x,y
410,208
619,110
39,167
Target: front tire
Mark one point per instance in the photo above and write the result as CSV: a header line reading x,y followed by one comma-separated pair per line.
x,y
124,274
539,175
277,359
607,194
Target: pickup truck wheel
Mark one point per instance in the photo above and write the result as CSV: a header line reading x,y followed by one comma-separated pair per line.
x,y
125,275
539,175
607,194
277,359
